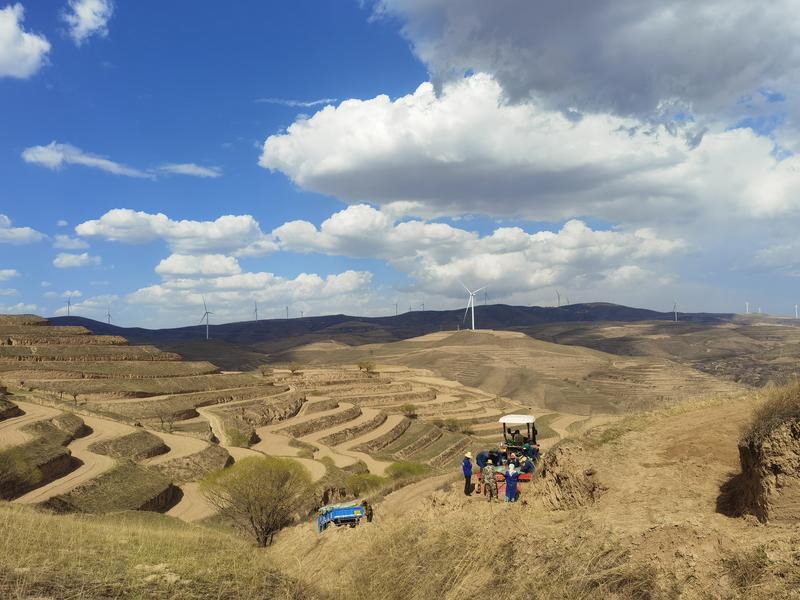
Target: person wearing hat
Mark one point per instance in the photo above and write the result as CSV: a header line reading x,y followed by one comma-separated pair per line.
x,y
525,466
490,481
511,483
466,467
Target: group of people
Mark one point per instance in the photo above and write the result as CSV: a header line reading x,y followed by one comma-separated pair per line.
x,y
508,464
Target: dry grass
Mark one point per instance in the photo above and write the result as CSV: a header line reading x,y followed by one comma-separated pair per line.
x,y
127,486
778,405
131,555
134,446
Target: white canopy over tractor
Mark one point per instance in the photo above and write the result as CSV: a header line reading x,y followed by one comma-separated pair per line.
x,y
516,419
512,435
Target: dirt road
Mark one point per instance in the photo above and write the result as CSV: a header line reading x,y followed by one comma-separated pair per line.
x,y
93,464
10,434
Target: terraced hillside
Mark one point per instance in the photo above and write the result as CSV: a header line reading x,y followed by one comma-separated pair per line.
x,y
537,374
752,349
100,425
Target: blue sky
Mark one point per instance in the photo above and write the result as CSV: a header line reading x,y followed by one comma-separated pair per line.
x,y
428,162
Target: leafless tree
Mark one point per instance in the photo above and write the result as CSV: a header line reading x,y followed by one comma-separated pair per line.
x,y
258,495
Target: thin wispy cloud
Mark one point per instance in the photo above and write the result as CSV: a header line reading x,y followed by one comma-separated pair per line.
x,y
56,156
190,169
296,103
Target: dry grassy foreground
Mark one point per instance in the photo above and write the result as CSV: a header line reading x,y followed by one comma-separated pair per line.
x,y
131,555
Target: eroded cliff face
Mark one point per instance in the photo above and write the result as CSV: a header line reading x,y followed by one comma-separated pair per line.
x,y
770,486
564,480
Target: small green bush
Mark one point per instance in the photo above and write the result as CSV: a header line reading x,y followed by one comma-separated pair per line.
x,y
409,410
362,483
237,438
406,470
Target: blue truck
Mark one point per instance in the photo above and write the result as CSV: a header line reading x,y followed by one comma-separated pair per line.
x,y
346,513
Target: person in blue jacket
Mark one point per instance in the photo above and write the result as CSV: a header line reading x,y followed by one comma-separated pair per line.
x,y
526,466
511,484
466,467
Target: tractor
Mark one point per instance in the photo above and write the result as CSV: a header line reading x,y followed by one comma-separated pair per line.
x,y
516,444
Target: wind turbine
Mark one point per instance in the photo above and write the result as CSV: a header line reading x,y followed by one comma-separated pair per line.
x,y
108,314
395,309
69,303
205,315
471,303
255,309
558,296
675,310
747,308
795,311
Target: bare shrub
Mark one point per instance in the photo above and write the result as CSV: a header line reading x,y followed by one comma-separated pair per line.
x,y
296,369
366,365
747,568
259,496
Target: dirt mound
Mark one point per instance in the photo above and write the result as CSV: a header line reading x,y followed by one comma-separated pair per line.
x,y
770,481
565,481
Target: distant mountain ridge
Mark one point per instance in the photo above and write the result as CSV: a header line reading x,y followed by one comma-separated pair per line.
x,y
358,330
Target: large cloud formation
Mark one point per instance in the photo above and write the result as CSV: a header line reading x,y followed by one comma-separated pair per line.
x,y
628,57
468,150
22,53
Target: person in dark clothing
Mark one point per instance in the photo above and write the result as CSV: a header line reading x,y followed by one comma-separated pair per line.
x,y
466,467
368,513
526,466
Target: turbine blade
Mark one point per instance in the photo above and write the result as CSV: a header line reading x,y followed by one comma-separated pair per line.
x,y
479,289
205,308
465,287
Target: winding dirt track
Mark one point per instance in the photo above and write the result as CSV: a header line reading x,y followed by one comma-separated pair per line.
x,y
179,446
192,506
93,464
10,434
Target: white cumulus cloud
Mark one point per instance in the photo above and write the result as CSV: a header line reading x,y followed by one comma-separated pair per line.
x,y
17,235
65,260
239,235
22,53
468,151
65,242
87,18
205,265
6,274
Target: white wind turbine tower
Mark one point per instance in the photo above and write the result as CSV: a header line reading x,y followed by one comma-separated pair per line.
x,y
747,308
796,307
69,303
255,309
675,310
471,303
108,314
205,315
